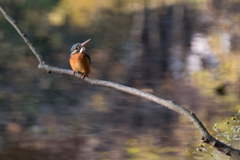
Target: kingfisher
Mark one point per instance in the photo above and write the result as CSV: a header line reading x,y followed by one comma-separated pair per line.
x,y
79,60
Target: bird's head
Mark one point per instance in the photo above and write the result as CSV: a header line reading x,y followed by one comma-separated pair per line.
x,y
79,47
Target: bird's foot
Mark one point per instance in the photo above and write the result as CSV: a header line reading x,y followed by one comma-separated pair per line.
x,y
83,76
74,72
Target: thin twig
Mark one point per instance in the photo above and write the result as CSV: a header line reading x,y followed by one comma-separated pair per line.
x,y
20,31
206,137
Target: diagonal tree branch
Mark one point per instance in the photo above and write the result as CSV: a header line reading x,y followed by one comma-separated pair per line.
x,y
206,137
20,31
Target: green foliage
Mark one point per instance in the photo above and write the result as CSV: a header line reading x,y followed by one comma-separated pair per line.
x,y
143,148
44,4
135,150
230,136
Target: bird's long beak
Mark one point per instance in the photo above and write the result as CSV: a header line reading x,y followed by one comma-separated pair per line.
x,y
85,43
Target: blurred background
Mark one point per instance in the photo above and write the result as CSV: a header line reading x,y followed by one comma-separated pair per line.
x,y
181,50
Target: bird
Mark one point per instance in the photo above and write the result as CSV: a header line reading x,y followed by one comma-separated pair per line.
x,y
79,60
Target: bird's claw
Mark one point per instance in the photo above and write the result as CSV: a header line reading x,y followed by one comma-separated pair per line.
x,y
83,76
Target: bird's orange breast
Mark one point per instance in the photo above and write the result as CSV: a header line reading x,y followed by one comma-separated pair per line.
x,y
80,63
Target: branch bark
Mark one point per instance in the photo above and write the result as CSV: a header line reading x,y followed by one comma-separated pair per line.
x,y
206,137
